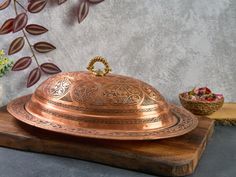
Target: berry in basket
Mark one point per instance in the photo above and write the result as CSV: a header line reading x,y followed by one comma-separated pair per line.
x,y
202,94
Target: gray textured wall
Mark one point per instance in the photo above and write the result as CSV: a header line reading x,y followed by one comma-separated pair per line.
x,y
171,44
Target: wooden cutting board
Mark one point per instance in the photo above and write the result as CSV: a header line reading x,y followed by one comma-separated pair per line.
x,y
226,115
170,157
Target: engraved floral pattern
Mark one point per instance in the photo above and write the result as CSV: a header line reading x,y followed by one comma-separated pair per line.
x,y
84,92
60,88
122,94
152,93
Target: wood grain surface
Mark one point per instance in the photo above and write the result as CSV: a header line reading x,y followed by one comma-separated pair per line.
x,y
169,157
226,115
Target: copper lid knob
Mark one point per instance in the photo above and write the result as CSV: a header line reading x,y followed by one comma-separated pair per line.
x,y
99,72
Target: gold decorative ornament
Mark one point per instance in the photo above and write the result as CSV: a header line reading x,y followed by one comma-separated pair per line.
x,y
99,72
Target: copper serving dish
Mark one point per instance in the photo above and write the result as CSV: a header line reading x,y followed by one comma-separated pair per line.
x,y
98,104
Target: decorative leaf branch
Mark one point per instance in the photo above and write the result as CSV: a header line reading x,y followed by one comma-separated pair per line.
x,y
61,1
35,29
36,6
4,4
83,8
19,23
22,63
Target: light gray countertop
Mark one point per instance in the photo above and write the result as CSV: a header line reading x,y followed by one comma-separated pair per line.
x,y
219,160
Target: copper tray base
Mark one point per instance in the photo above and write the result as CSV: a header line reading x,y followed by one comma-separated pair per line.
x,y
186,123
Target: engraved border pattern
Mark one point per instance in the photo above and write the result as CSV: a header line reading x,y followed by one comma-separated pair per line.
x,y
187,122
80,108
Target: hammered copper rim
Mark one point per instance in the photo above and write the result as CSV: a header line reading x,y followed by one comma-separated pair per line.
x,y
186,123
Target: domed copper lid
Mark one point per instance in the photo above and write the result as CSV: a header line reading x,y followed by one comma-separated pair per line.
x,y
101,105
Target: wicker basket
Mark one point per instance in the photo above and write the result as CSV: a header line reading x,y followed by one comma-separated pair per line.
x,y
201,107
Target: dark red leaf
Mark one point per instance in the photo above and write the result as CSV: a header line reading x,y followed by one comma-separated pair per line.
x,y
83,10
20,22
50,68
16,45
61,1
44,47
36,6
95,1
30,1
4,4
22,63
7,26
34,77
35,29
